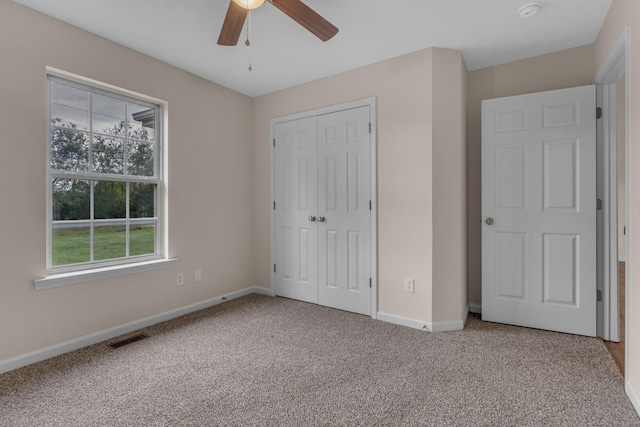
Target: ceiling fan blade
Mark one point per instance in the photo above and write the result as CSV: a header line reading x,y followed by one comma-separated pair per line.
x,y
307,17
232,26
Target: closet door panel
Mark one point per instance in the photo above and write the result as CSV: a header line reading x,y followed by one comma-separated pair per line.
x,y
296,234
344,227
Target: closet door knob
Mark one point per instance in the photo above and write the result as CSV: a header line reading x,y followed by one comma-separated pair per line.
x,y
312,218
320,219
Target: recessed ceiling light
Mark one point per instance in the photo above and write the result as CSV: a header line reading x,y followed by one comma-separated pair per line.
x,y
530,9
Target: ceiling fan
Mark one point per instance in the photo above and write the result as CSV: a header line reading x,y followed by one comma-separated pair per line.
x,y
298,11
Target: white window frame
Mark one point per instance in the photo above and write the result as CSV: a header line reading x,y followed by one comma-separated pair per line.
x,y
96,270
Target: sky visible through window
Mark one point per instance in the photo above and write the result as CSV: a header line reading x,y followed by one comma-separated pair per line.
x,y
72,106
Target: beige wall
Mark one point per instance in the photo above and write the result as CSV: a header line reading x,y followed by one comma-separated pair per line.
x,y
210,179
569,68
412,137
626,13
449,300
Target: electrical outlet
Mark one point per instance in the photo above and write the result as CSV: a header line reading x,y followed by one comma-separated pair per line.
x,y
180,279
409,284
198,275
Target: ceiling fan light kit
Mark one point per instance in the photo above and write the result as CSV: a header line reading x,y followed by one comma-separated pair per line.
x,y
249,4
295,9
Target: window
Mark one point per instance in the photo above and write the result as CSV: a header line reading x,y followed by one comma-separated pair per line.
x,y
105,181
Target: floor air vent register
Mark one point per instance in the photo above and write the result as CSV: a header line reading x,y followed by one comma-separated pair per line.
x,y
123,342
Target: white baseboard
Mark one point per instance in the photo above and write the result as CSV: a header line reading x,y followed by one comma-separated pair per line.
x,y
475,308
65,347
263,291
457,325
465,316
404,321
633,396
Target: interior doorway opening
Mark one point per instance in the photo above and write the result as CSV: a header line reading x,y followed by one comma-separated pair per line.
x,y
613,192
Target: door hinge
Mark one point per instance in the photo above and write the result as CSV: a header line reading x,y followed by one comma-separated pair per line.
x,y
599,204
274,205
369,204
369,127
274,143
598,296
370,282
598,112
274,268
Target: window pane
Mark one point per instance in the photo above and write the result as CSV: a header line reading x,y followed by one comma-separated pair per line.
x,y
108,155
69,118
70,203
69,107
108,106
107,125
108,115
109,200
70,199
140,159
142,239
109,241
142,200
69,150
141,122
71,245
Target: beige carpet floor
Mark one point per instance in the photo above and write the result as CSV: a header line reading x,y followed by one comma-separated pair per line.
x,y
271,361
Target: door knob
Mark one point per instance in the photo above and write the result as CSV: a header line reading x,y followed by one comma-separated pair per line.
x,y
312,218
489,221
320,219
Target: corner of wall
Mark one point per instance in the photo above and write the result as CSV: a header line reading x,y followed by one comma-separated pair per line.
x,y
449,291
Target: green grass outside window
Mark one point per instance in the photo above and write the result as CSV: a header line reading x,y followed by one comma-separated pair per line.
x,y
72,245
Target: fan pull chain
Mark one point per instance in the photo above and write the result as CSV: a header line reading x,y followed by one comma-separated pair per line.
x,y
248,41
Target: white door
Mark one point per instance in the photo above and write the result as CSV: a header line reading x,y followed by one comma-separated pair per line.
x,y
344,211
296,232
322,211
539,210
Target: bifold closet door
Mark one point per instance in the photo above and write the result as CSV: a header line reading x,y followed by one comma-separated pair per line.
x,y
322,209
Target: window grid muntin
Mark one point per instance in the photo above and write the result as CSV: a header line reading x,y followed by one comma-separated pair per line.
x,y
158,196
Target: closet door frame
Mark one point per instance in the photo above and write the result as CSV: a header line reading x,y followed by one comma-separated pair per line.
x,y
371,103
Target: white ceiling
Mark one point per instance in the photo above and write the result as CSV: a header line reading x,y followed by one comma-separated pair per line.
x,y
284,54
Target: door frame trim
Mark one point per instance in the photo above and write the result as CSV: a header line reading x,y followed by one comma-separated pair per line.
x,y
371,103
613,68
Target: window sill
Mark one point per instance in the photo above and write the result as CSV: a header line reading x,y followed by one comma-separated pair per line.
x,y
75,277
